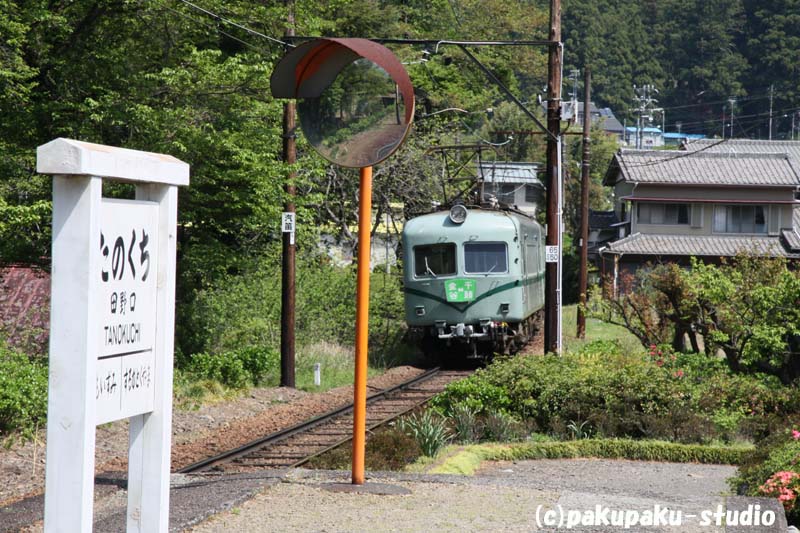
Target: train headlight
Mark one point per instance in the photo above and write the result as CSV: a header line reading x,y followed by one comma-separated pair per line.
x,y
458,214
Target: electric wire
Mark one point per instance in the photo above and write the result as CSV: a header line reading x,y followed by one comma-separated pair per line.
x,y
236,24
215,28
737,118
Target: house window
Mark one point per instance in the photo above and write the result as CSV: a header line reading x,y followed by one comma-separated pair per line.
x,y
531,194
485,258
670,214
505,194
740,219
434,260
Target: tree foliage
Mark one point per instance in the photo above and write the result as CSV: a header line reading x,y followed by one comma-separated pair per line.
x,y
698,54
749,309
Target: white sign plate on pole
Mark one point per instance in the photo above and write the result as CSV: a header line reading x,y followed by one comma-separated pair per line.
x,y
288,225
127,309
551,254
111,327
287,222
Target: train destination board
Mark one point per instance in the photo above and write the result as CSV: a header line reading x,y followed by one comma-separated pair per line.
x,y
126,325
460,290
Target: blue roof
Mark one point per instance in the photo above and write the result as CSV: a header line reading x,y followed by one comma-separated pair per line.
x,y
676,135
632,129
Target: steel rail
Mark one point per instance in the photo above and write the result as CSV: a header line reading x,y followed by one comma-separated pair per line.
x,y
307,425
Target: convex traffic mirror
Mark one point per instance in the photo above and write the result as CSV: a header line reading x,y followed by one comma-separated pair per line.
x,y
356,99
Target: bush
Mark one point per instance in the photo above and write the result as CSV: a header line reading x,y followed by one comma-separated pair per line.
x,y
23,392
475,394
611,394
773,470
236,369
245,310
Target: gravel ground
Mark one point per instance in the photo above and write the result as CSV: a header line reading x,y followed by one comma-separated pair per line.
x,y
502,497
195,433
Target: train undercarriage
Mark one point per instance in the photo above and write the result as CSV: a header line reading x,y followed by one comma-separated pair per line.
x,y
445,341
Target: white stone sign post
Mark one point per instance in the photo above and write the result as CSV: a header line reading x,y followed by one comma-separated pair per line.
x,y
111,326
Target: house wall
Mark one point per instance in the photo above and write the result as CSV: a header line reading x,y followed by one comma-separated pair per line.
x,y
621,190
701,221
753,194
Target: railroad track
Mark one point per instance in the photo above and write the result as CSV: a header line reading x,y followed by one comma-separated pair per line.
x,y
296,445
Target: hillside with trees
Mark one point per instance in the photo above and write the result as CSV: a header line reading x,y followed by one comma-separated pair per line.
x,y
699,54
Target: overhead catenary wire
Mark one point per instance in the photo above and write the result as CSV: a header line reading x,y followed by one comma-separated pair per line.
x,y
215,28
740,117
235,24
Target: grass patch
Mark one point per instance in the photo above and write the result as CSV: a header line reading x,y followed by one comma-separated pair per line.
x,y
469,458
337,364
213,378
596,330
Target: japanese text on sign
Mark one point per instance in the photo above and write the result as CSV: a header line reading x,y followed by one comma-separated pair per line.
x,y
460,290
127,309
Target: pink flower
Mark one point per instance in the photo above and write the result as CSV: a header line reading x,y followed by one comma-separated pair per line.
x,y
678,373
660,363
795,434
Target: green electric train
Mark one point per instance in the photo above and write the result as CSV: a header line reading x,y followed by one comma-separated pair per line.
x,y
473,281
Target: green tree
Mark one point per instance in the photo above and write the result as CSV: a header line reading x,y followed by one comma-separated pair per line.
x,y
749,309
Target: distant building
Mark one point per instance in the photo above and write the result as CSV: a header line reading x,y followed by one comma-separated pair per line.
x,y
602,117
651,137
512,184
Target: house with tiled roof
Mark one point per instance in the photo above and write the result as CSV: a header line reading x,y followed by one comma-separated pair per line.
x,y
512,183
707,202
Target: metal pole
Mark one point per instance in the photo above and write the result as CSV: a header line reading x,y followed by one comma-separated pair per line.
x,y
584,242
288,263
362,324
551,307
771,89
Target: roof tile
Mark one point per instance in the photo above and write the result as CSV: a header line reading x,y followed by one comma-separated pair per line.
x,y
707,168
692,245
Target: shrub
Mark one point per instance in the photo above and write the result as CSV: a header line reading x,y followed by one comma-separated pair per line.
x,y
236,369
625,395
245,310
773,469
23,392
639,450
473,393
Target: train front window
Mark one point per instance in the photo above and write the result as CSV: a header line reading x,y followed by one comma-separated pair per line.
x,y
485,258
434,260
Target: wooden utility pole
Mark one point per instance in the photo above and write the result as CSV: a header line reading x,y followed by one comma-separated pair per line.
x,y
288,264
584,242
552,298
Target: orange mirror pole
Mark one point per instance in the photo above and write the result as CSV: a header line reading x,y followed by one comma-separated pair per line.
x,y
362,323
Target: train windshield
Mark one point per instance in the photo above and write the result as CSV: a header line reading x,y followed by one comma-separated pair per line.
x,y
434,260
485,258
